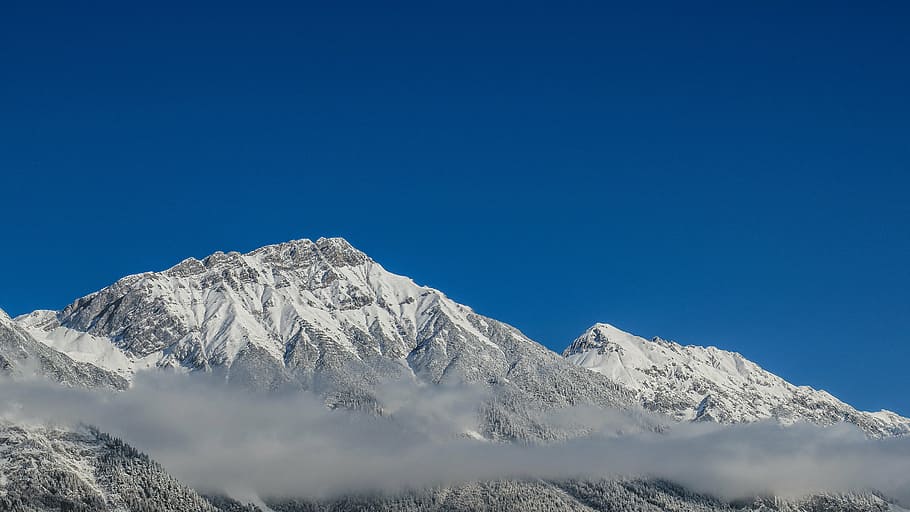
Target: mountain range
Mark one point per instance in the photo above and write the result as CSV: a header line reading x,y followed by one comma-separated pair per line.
x,y
323,317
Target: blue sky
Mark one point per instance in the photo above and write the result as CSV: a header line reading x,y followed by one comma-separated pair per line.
x,y
722,174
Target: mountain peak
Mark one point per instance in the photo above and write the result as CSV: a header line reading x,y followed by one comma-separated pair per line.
x,y
340,252
597,336
302,253
607,328
335,251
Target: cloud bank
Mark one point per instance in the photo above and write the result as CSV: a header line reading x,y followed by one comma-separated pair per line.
x,y
217,438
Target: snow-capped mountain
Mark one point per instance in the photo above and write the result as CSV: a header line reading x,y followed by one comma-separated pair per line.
x,y
322,316
709,384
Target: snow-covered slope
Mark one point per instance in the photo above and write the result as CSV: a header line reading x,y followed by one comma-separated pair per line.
x,y
22,356
317,315
708,384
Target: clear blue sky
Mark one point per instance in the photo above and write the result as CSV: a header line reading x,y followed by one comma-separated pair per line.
x,y
734,173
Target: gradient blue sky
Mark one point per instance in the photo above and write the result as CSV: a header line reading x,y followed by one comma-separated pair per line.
x,y
734,173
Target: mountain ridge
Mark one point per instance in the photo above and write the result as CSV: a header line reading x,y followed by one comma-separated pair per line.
x,y
692,382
